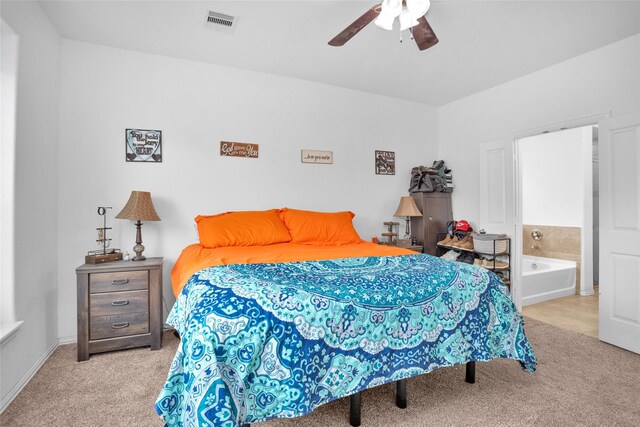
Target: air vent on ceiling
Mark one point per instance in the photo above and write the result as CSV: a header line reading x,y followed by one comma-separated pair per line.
x,y
221,20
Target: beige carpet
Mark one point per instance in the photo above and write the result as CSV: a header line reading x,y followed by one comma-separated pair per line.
x,y
580,382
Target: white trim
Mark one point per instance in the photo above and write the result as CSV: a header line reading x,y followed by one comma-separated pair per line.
x,y
8,87
7,331
586,238
27,377
587,293
569,124
71,339
516,256
516,242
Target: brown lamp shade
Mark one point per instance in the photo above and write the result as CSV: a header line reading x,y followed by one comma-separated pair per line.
x,y
139,207
407,207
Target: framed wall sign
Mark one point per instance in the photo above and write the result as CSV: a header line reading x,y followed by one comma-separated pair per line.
x,y
238,149
315,156
385,162
143,145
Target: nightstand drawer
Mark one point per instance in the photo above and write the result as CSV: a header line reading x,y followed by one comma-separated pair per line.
x,y
118,302
118,325
118,281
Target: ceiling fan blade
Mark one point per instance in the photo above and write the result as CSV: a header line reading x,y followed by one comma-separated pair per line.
x,y
423,34
355,28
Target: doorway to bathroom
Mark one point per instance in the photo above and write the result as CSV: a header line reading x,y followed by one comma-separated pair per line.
x,y
558,184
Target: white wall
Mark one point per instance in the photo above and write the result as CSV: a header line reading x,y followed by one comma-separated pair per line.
x,y
8,93
104,90
597,82
552,168
196,105
36,170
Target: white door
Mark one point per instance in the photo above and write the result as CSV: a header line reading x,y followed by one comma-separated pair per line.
x,y
497,202
620,231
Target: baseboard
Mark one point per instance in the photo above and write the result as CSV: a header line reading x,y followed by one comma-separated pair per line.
x,y
27,377
71,339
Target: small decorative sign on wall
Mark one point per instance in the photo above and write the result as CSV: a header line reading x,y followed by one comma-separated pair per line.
x,y
238,149
143,145
385,162
315,156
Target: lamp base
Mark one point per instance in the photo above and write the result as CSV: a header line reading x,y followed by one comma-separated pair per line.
x,y
139,247
407,232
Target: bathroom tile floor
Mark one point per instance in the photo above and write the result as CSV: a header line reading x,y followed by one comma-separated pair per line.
x,y
575,312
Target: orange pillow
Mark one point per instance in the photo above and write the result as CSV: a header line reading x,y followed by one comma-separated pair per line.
x,y
320,228
246,228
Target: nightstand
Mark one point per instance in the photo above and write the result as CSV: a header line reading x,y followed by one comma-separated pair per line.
x,y
119,306
415,248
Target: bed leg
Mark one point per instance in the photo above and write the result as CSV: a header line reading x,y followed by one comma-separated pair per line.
x,y
471,373
354,410
401,394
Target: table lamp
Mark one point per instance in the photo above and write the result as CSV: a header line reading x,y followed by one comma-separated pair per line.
x,y
407,208
139,207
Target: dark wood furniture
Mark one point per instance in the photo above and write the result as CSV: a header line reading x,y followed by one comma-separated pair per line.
x,y
436,212
119,306
415,248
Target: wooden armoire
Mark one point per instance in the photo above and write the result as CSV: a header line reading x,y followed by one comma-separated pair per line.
x,y
436,212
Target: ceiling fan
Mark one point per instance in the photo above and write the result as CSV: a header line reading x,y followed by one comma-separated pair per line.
x,y
410,13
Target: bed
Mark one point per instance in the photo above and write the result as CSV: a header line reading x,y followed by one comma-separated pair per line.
x,y
275,330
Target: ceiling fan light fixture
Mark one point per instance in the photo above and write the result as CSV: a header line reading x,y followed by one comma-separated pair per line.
x,y
385,22
385,14
407,20
392,8
418,8
389,10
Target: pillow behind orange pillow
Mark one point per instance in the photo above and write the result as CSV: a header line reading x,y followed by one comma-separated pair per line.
x,y
244,228
320,228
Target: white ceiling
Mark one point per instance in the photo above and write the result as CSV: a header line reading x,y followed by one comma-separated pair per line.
x,y
482,43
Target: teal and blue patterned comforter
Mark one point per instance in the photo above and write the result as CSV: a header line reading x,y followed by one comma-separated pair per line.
x,y
260,341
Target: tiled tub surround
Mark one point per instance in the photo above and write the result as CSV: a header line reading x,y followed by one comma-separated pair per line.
x,y
557,242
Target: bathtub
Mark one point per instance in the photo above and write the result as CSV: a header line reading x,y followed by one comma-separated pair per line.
x,y
545,279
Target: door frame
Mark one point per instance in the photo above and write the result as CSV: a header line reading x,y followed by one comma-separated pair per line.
x,y
586,235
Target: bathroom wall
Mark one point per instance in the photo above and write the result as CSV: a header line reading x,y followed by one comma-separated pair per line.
x,y
553,198
552,177
559,242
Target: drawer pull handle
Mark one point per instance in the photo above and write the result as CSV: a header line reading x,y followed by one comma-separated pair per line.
x,y
120,302
120,281
120,325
